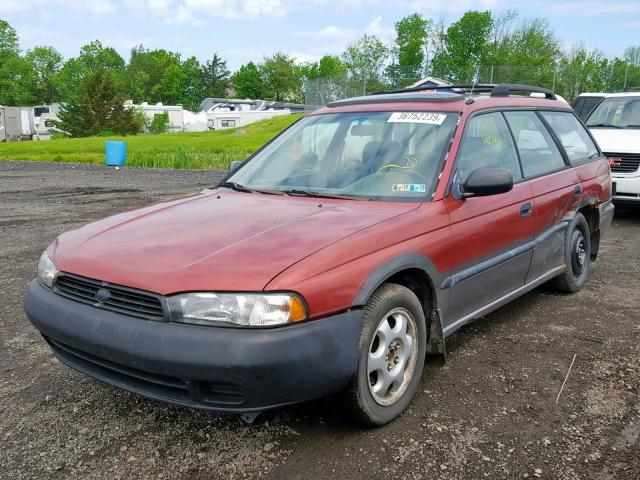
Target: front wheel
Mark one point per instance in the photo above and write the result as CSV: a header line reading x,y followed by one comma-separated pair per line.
x,y
577,255
392,355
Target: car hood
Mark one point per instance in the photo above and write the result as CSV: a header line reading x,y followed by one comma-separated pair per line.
x,y
614,140
215,240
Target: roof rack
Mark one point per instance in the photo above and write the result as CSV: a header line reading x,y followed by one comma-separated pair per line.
x,y
408,96
495,90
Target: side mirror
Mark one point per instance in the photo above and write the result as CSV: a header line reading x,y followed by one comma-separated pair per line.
x,y
233,166
487,181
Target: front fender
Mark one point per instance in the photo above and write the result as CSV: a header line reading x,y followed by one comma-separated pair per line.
x,y
435,342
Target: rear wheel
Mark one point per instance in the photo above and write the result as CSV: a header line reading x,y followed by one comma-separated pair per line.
x,y
392,354
577,255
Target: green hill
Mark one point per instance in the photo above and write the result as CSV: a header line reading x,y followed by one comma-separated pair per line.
x,y
201,150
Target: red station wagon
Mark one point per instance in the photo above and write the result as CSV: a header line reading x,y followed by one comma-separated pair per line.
x,y
336,257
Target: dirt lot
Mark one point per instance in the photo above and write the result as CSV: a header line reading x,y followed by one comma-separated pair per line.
x,y
490,412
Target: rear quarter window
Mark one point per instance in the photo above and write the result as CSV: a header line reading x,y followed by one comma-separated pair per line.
x,y
573,136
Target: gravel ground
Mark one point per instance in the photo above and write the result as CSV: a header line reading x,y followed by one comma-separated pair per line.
x,y
489,412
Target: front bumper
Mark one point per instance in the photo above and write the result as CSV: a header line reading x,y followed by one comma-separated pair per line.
x,y
627,189
213,368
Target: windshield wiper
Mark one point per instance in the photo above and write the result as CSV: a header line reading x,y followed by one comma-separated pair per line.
x,y
605,125
241,188
311,193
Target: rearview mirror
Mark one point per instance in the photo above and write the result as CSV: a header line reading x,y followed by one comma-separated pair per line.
x,y
236,164
487,181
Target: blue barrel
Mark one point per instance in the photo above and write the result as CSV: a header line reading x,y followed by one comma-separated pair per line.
x,y
115,154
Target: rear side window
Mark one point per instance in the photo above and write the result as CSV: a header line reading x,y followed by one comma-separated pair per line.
x,y
487,143
573,136
538,152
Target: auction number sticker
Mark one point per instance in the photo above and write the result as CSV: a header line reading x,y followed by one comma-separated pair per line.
x,y
417,117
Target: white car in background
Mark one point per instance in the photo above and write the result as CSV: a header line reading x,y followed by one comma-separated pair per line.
x,y
615,124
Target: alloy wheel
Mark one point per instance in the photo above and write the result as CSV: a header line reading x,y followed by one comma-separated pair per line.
x,y
392,356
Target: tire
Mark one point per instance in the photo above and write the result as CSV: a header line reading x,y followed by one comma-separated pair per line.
x,y
390,366
577,255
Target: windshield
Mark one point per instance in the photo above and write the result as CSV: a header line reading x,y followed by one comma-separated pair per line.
x,y
616,112
394,156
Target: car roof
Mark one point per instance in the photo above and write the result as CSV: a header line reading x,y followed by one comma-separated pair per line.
x,y
607,95
454,98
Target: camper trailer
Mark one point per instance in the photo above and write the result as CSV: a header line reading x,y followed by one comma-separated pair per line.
x,y
46,126
231,113
17,124
175,113
222,120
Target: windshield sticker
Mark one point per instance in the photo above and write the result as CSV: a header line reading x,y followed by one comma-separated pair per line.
x,y
417,117
409,187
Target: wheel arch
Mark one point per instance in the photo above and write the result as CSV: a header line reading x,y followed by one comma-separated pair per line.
x,y
416,272
590,211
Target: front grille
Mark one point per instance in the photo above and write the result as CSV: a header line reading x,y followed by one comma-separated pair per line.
x,y
163,387
120,299
629,162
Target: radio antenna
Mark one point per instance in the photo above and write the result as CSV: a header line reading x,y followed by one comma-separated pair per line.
x,y
475,80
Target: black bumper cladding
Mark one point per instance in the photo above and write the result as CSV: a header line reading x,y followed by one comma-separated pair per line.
x,y
213,368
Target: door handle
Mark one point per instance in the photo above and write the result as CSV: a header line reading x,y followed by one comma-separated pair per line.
x,y
577,191
525,210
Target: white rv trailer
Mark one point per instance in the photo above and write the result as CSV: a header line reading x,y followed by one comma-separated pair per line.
x,y
47,126
221,120
231,113
17,124
175,112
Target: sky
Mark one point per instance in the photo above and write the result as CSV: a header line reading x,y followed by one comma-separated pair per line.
x,y
244,30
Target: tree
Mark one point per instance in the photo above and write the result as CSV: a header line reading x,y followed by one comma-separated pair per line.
x,y
529,52
410,45
98,108
9,41
247,81
16,75
46,63
632,69
192,86
170,87
580,70
365,57
329,66
215,77
324,81
281,77
17,79
93,57
465,47
145,71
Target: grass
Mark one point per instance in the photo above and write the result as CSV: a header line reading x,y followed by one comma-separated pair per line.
x,y
200,150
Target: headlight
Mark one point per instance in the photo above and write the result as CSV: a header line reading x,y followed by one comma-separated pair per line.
x,y
47,271
242,309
